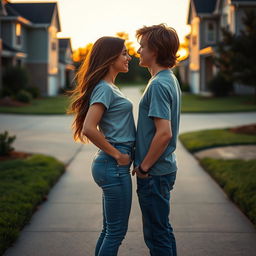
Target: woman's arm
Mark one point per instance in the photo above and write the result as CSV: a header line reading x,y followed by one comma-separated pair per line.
x,y
90,130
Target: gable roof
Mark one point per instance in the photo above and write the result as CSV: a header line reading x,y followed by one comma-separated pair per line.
x,y
203,6
37,13
65,43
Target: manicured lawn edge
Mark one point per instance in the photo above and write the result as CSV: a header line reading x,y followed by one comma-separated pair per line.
x,y
238,180
45,106
204,139
236,177
24,184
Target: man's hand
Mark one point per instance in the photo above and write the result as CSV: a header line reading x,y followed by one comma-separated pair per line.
x,y
139,174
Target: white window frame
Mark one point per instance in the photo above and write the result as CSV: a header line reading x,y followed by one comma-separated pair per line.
x,y
207,34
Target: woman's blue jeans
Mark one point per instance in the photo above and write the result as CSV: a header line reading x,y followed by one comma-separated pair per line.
x,y
154,198
116,185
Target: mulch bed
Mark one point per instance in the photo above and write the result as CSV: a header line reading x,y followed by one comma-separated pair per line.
x,y
14,155
8,102
245,129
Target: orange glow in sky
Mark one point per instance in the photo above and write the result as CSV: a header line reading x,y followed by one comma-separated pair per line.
x,y
85,21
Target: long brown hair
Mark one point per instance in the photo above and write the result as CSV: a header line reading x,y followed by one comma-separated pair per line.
x,y
94,68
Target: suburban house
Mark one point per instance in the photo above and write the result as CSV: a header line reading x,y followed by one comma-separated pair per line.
x,y
66,65
206,19
29,39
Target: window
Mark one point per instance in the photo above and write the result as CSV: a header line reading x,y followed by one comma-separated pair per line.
x,y
210,36
18,33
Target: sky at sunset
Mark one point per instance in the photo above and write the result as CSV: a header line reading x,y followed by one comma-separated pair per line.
x,y
85,21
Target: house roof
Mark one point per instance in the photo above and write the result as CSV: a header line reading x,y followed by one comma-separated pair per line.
x,y
243,0
35,12
203,6
64,43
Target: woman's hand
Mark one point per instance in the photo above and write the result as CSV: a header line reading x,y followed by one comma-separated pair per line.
x,y
123,159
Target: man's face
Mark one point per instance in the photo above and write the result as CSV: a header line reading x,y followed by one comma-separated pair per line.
x,y
147,56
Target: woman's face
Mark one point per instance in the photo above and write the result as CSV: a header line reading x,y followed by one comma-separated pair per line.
x,y
121,63
147,57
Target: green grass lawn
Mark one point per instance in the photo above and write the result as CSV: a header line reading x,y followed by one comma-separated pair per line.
x,y
49,105
23,185
198,140
238,179
195,103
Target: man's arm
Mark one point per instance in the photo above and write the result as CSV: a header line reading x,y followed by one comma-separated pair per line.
x,y
158,144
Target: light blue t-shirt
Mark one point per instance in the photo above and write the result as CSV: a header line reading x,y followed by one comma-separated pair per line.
x,y
161,99
117,123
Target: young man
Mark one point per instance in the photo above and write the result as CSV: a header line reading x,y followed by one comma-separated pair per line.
x,y
157,131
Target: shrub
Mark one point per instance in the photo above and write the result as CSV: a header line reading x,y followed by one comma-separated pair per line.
x,y
24,96
34,91
5,92
220,86
15,79
6,143
185,87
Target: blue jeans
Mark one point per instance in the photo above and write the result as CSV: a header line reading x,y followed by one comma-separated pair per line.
x,y
116,185
154,198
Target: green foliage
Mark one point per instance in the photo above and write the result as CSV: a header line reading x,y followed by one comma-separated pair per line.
x,y
23,185
237,53
238,179
198,140
6,143
23,96
220,86
34,91
184,86
15,79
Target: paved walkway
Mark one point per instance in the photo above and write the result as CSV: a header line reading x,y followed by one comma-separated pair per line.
x,y
206,223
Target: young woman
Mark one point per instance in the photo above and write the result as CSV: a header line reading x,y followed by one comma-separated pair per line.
x,y
97,102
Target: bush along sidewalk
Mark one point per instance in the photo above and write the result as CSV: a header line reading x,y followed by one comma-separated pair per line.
x,y
237,177
24,184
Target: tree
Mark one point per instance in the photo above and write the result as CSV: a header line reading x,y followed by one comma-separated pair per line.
x,y
237,53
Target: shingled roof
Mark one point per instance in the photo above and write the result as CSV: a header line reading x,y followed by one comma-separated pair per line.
x,y
203,6
37,13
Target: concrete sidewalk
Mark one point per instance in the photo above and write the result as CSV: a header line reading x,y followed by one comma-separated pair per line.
x,y
205,222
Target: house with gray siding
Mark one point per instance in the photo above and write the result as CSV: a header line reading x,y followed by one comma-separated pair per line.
x,y
66,64
206,19
29,36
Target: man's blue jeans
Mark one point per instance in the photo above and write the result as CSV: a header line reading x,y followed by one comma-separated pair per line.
x,y
154,198
115,182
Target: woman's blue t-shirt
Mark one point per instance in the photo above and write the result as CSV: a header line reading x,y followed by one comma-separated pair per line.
x,y
117,123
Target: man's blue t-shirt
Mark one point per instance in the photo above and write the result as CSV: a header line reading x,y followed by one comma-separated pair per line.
x,y
117,123
161,98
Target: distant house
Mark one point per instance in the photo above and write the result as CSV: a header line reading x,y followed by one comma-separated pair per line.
x,y
206,19
2,13
29,35
66,64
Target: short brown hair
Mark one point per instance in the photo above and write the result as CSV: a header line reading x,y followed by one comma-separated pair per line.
x,y
164,41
